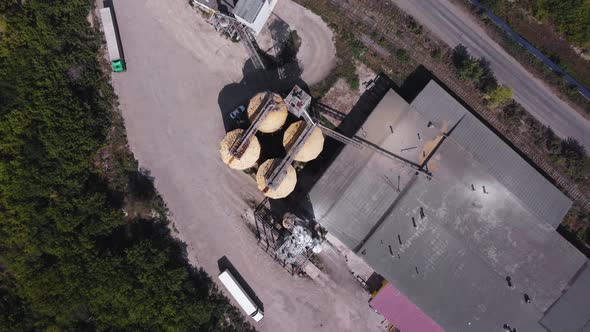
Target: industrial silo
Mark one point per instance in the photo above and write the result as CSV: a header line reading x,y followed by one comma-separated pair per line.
x,y
239,160
312,146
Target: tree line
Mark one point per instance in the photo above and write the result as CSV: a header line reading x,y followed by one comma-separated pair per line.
x,y
69,258
570,17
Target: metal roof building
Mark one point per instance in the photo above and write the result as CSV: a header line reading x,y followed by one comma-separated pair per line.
x,y
110,34
465,244
254,13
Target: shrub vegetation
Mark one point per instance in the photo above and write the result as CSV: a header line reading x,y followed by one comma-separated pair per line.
x,y
69,258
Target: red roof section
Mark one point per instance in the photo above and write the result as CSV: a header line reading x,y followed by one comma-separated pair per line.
x,y
401,312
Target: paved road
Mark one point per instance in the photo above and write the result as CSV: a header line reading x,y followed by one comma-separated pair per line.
x,y
317,53
177,66
451,24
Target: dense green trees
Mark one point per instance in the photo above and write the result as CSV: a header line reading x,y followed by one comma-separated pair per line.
x,y
571,17
69,259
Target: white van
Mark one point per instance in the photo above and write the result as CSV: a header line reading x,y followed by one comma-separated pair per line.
x,y
240,296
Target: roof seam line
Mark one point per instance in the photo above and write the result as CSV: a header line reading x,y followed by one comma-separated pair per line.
x,y
385,214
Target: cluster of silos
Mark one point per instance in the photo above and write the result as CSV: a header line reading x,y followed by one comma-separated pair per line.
x,y
272,122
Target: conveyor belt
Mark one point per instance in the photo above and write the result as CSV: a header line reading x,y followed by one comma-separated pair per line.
x,y
361,143
251,46
240,144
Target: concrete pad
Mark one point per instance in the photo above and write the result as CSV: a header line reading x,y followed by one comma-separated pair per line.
x,y
317,54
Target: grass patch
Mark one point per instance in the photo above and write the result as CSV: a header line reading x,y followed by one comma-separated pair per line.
x,y
543,37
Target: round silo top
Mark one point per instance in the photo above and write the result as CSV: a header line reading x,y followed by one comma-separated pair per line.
x,y
275,118
311,148
286,186
248,157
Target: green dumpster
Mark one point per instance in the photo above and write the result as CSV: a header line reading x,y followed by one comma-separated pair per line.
x,y
118,66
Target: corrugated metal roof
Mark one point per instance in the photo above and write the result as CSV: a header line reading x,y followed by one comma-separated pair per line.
x,y
535,192
361,185
469,240
211,4
355,192
396,127
109,33
443,277
454,262
571,313
493,225
248,9
436,105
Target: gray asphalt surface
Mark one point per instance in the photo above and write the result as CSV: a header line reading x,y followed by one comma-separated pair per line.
x,y
452,25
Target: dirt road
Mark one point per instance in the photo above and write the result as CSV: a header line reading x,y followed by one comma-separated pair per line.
x,y
177,66
317,53
454,26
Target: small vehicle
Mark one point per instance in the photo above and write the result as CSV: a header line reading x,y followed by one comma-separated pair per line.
x,y
237,112
239,115
238,293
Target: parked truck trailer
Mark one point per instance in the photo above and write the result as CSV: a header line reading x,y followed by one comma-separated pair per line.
x,y
117,62
238,293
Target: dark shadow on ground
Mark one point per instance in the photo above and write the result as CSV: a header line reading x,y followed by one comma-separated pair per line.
x,y
300,206
224,264
141,185
223,6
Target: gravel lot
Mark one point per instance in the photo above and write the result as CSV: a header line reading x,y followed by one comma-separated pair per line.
x,y
177,66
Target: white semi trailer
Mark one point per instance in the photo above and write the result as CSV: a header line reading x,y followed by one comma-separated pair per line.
x,y
238,293
110,34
